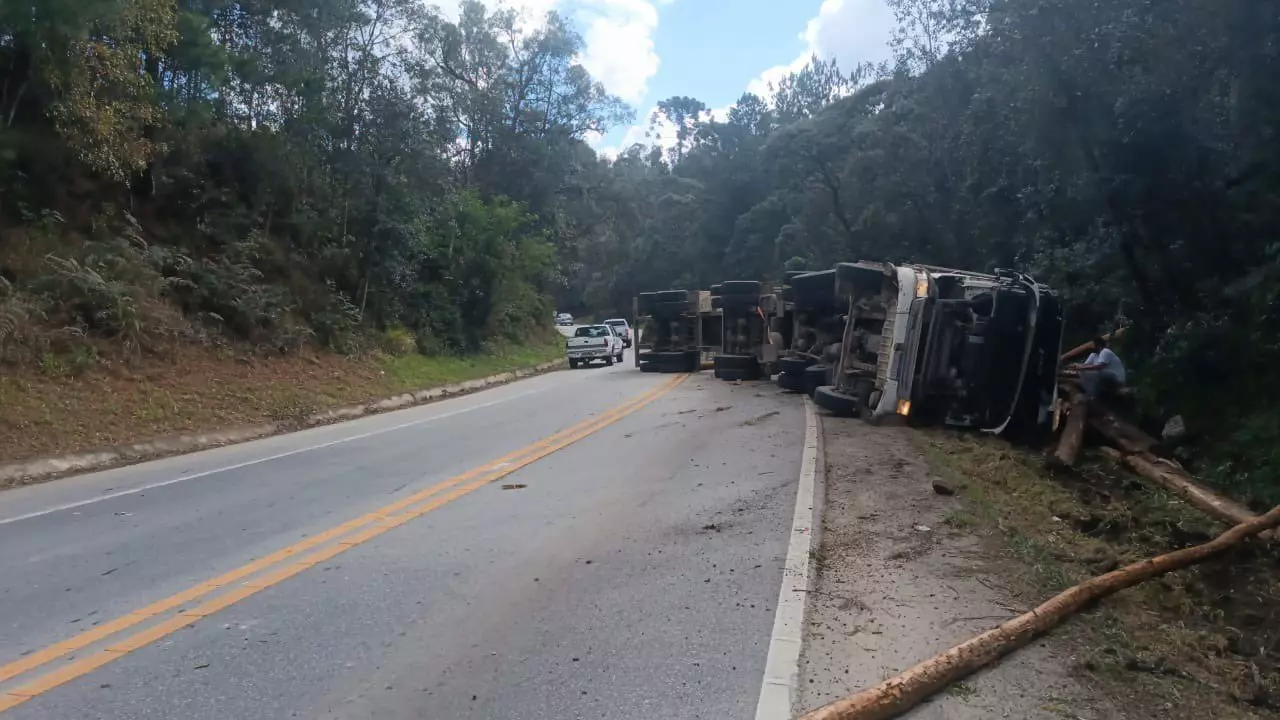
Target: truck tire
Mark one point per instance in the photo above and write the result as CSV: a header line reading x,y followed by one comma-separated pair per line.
x,y
795,365
735,375
835,402
814,290
815,376
736,362
738,301
608,360
693,361
573,364
791,383
669,309
740,287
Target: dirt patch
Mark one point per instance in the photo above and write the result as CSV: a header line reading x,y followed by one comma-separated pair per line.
x,y
52,411
902,576
1199,643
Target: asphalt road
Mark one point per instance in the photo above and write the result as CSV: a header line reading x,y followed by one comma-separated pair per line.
x,y
591,543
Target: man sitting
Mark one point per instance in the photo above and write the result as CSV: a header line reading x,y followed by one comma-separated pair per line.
x,y
1102,373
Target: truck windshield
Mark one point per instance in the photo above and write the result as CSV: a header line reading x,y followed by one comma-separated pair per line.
x,y
597,331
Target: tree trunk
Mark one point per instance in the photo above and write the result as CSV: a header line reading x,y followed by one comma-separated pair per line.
x,y
1172,478
897,695
1073,434
1135,450
1123,434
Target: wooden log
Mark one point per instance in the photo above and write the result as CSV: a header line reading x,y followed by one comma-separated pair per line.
x,y
1175,480
899,694
1083,348
1121,433
1073,434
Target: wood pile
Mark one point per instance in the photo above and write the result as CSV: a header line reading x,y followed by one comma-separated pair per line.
x,y
1129,446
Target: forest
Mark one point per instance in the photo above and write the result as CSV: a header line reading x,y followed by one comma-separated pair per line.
x,y
347,173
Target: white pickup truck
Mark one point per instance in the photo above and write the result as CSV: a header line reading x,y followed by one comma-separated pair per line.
x,y
593,342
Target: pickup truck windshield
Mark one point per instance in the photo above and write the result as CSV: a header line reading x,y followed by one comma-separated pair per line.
x,y
597,331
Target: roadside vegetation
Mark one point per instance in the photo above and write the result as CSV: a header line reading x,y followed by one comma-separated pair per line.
x,y
1197,643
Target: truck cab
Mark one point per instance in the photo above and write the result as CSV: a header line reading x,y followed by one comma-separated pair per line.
x,y
944,346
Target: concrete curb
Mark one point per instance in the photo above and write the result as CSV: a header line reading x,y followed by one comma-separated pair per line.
x,y
38,470
779,690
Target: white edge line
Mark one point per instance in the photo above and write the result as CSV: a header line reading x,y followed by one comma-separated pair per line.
x,y
257,461
779,689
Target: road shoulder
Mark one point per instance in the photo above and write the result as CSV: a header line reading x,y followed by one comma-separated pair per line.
x,y
900,580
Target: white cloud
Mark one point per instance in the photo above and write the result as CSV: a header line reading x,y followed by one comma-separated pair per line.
x,y
618,36
619,44
851,31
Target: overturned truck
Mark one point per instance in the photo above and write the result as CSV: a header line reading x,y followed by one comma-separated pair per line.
x,y
676,330
943,346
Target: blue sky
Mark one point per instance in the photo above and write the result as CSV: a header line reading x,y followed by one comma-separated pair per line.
x,y
647,50
712,49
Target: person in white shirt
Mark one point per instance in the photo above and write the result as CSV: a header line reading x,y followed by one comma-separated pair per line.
x,y
1102,372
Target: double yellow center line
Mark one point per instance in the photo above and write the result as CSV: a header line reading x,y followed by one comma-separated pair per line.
x,y
175,612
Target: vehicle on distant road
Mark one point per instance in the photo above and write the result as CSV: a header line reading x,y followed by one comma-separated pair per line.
x,y
564,319
623,330
594,342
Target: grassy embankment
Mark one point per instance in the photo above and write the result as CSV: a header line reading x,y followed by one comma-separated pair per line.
x,y
1199,643
57,407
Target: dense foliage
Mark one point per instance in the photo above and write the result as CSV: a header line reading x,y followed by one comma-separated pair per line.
x,y
1125,151
286,171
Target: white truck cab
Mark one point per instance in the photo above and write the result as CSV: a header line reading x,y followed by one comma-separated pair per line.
x,y
938,345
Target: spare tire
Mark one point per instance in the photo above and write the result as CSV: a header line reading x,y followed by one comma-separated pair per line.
x,y
740,287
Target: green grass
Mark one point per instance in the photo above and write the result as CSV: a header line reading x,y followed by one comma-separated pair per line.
x,y
416,372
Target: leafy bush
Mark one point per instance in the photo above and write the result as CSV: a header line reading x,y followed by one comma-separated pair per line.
x,y
398,341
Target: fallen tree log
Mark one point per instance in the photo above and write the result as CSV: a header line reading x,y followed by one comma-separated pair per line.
x,y
899,694
1175,480
1073,433
1122,434
1135,450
